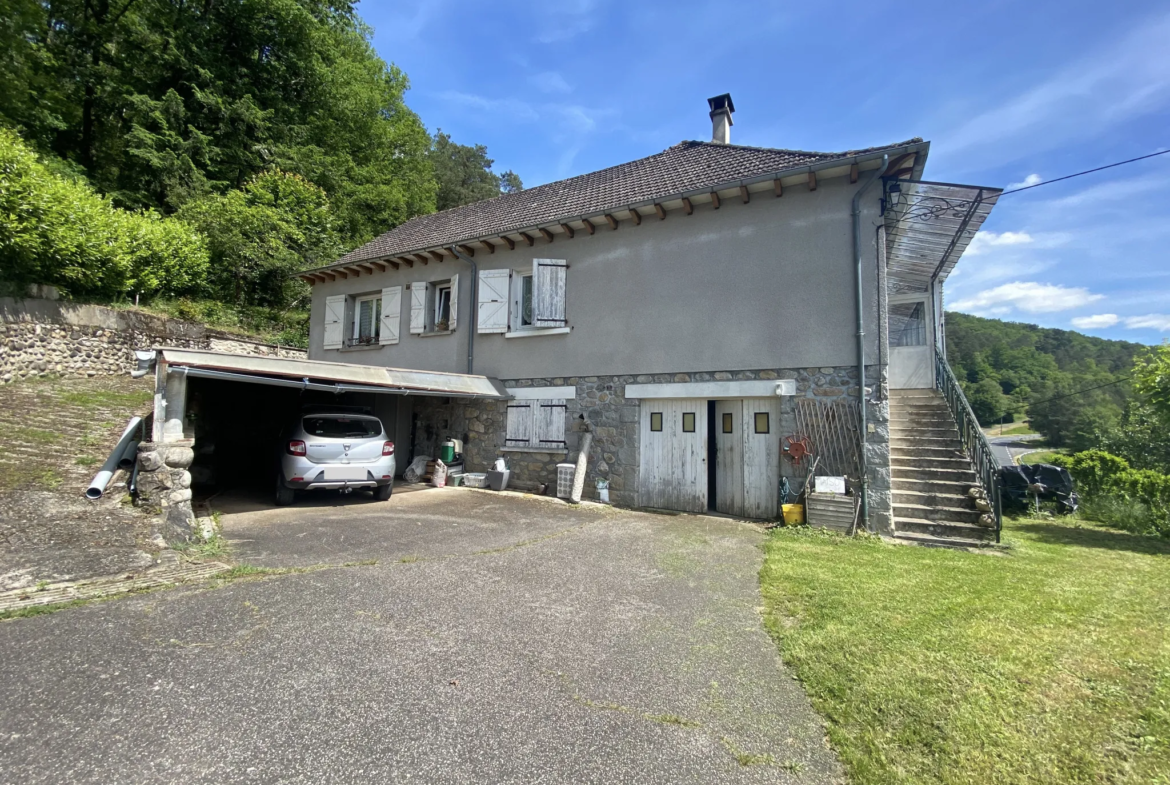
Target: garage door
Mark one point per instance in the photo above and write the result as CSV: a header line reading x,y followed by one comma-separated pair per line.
x,y
673,445
747,457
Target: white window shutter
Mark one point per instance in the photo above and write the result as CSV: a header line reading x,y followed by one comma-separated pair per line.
x,y
334,319
548,295
519,428
549,420
453,320
418,307
391,315
492,316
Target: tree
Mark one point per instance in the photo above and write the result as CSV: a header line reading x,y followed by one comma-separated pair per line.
x,y
161,102
258,236
1151,380
987,401
464,173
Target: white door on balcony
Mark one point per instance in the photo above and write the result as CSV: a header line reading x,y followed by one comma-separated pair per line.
x,y
911,344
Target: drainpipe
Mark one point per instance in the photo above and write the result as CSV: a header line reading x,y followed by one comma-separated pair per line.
x,y
474,308
861,331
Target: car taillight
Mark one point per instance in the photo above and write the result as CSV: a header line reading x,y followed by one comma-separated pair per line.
x,y
387,448
296,447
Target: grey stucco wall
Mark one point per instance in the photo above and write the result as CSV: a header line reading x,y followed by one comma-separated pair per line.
x,y
766,284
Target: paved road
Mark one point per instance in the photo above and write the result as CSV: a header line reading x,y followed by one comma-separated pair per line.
x,y
498,639
1008,448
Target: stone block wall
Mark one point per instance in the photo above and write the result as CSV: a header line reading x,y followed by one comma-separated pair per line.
x,y
164,486
600,405
49,338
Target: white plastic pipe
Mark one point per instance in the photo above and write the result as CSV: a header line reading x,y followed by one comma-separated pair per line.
x,y
582,463
97,486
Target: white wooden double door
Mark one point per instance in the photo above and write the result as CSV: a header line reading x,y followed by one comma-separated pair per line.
x,y
675,447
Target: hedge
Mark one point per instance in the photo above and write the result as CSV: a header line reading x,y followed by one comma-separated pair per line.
x,y
1099,474
57,230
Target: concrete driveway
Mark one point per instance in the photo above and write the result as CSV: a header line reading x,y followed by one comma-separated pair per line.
x,y
498,639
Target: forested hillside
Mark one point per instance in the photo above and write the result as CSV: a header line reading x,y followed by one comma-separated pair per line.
x,y
270,128
1009,369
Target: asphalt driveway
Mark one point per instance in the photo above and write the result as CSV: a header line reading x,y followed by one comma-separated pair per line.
x,y
497,639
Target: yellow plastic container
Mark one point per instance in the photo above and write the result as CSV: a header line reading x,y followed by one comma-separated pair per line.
x,y
793,513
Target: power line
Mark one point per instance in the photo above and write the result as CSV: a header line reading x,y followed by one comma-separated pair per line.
x,y
1087,171
1079,392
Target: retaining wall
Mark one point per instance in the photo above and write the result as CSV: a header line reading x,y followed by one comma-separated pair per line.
x,y
50,338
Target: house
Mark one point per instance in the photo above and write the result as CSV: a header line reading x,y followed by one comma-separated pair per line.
x,y
713,313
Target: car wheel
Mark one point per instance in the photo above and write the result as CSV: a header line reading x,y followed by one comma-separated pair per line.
x,y
382,492
284,494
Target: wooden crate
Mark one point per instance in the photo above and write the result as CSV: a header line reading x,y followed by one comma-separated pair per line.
x,y
830,511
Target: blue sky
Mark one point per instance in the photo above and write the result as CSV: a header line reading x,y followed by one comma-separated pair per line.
x,y
1006,92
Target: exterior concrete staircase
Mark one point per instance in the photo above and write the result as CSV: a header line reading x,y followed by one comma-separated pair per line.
x,y
932,476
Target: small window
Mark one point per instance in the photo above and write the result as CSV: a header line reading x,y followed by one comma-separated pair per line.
x,y
688,422
762,422
367,319
656,421
442,307
727,422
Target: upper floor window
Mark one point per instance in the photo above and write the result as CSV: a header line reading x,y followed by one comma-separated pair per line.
x,y
434,306
524,302
368,319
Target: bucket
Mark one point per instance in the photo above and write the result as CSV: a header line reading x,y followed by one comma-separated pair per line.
x,y
793,513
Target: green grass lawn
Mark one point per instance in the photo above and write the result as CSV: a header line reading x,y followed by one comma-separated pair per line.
x,y
1040,456
1050,664
1010,429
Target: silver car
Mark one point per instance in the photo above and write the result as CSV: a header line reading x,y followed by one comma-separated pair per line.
x,y
335,449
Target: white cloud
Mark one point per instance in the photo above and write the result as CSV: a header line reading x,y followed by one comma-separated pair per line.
x,y
1028,297
984,240
1030,180
550,82
566,19
1096,321
1151,321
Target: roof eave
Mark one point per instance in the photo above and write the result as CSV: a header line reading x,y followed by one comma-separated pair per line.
x,y
870,155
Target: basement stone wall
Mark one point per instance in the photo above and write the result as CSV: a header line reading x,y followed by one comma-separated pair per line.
x,y
600,402
49,338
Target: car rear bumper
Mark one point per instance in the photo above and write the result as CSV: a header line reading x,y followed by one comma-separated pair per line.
x,y
302,474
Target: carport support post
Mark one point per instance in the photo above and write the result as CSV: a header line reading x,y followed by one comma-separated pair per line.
x,y
164,484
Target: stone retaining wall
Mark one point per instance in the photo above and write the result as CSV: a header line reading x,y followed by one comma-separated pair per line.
x,y
49,338
601,402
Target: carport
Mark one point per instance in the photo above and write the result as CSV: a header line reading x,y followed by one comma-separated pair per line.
x,y
230,409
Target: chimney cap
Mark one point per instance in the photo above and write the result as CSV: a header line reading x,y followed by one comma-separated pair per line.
x,y
720,103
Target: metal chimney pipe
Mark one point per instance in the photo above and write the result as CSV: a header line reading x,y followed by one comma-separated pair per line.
x,y
722,108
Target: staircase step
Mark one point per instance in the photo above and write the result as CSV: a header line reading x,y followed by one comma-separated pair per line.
x,y
907,430
935,541
935,497
931,415
930,471
941,453
951,442
915,392
950,487
926,512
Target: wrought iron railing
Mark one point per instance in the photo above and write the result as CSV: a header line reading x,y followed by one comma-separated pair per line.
x,y
974,442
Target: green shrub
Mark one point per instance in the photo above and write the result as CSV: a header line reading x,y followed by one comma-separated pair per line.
x,y
1124,514
1138,497
57,230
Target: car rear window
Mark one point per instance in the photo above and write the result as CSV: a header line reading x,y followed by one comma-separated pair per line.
x,y
342,427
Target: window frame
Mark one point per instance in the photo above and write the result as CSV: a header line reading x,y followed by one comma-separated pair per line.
x,y
659,416
355,338
439,288
767,422
694,422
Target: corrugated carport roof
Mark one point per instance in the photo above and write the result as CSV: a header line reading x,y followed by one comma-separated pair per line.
x,y
338,377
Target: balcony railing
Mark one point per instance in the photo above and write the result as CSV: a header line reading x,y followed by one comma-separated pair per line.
x,y
974,442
